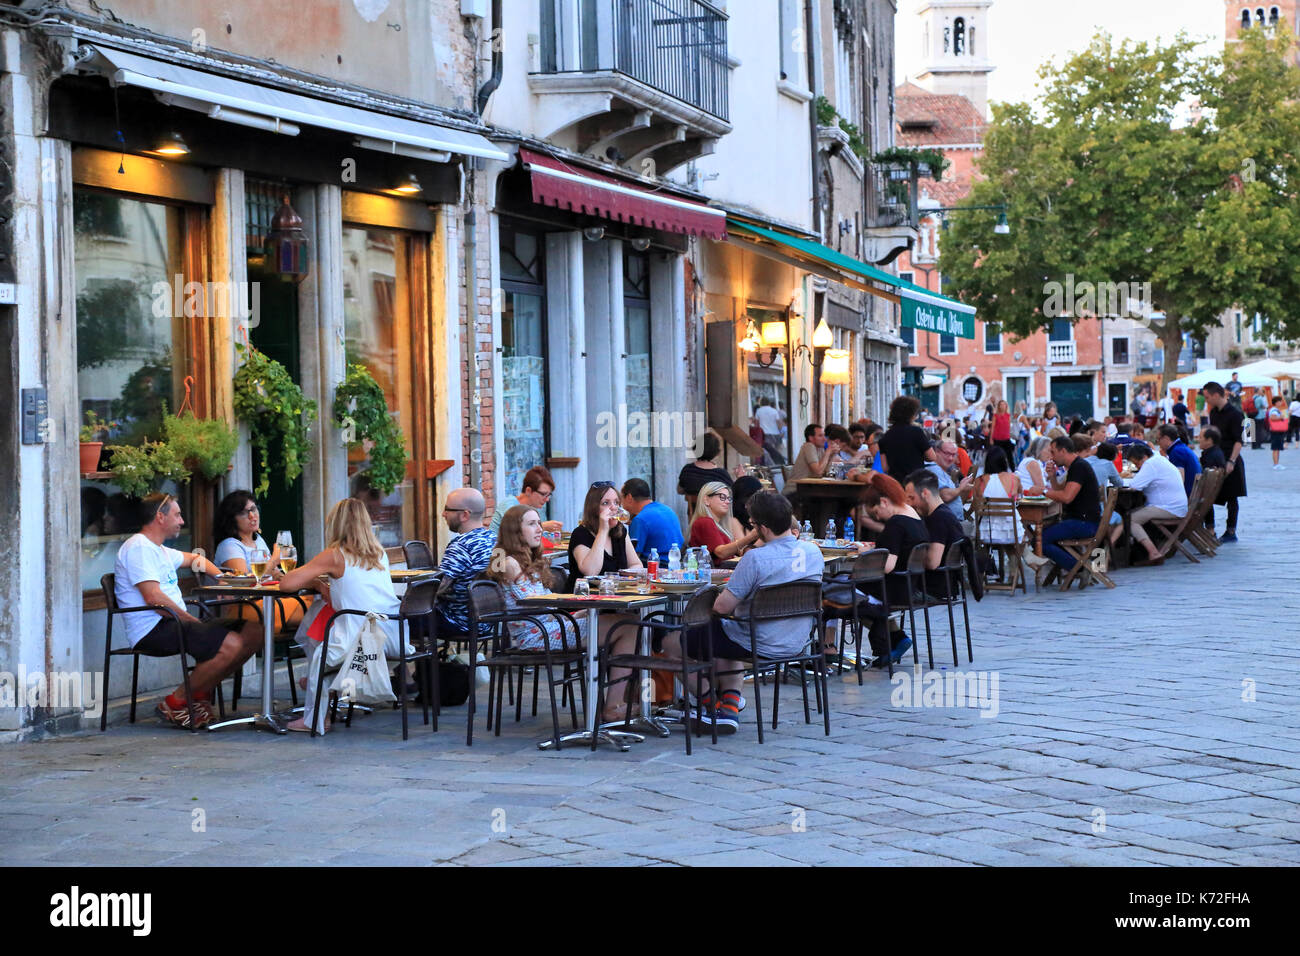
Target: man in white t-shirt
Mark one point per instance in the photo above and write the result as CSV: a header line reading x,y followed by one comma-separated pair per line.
x,y
145,575
770,419
1162,483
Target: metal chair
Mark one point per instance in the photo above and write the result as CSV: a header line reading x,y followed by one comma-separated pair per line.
x,y
912,576
786,602
488,606
952,572
868,575
418,555
417,610
108,584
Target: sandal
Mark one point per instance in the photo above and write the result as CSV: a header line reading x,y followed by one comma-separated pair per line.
x,y
299,726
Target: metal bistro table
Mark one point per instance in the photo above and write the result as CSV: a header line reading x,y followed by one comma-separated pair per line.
x,y
269,593
593,605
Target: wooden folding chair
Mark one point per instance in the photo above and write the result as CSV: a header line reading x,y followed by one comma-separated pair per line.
x,y
1196,532
1081,549
991,512
1173,530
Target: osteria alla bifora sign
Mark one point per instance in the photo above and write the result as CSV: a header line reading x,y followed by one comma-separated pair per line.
x,y
936,318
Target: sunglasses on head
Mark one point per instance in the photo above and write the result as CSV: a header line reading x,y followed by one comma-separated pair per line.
x,y
602,484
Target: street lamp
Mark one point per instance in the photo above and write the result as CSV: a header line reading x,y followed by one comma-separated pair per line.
x,y
1003,227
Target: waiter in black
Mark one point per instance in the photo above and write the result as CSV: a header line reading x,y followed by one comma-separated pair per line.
x,y
1228,419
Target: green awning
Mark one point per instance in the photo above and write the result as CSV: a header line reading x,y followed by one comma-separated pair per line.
x,y
922,309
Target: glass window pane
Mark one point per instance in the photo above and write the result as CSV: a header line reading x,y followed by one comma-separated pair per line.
x,y
640,460
523,374
377,320
131,350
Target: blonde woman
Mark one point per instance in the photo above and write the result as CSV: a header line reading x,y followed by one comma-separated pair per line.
x,y
714,527
356,567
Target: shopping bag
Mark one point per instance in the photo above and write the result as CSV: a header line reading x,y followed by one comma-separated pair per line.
x,y
363,676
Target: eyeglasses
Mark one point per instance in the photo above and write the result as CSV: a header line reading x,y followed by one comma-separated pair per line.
x,y
250,510
544,495
454,510
720,496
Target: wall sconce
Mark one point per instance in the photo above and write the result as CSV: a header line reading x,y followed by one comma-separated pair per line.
x,y
835,368
822,337
594,233
774,335
641,243
409,186
286,244
751,343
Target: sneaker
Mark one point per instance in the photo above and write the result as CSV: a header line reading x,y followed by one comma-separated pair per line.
x,y
1228,537
901,643
732,701
1279,467
899,648
703,721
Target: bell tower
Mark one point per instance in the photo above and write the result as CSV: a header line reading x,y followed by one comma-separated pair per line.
x,y
954,37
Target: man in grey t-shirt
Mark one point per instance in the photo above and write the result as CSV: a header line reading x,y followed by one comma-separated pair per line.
x,y
781,559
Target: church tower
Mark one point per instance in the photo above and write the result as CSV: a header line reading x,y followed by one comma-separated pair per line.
x,y
1275,15
954,37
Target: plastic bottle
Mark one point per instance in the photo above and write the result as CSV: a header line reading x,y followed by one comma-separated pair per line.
x,y
807,530
848,530
706,566
652,566
675,563
830,531
692,565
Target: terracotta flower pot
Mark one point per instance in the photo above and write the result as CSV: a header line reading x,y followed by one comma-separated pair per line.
x,y
90,456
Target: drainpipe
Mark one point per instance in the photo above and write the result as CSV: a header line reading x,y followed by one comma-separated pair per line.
x,y
487,89
812,39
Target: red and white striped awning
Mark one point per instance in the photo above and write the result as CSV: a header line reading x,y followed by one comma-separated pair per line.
x,y
564,186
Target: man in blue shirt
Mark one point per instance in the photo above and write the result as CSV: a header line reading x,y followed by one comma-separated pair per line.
x,y
1179,455
466,557
654,525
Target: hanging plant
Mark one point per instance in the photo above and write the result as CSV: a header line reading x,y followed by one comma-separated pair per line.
x,y
361,410
277,414
904,157
140,469
204,445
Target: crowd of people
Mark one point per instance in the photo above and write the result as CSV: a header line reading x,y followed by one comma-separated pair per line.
x,y
917,484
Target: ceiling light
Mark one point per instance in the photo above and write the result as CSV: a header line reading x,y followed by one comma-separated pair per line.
x,y
171,144
409,186
594,233
641,243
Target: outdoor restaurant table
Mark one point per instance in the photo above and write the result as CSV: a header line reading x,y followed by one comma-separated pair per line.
x,y
268,593
593,605
824,498
1034,514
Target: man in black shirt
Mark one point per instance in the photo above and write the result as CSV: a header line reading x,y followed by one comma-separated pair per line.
x,y
1080,506
1228,419
945,530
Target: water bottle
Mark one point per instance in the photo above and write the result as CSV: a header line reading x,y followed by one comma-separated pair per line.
x,y
692,565
652,566
830,531
807,531
848,530
674,563
706,566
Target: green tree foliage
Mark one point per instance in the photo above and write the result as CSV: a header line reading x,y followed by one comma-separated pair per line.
x,y
1103,183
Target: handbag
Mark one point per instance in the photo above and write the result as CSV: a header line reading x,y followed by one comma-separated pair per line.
x,y
364,675
453,683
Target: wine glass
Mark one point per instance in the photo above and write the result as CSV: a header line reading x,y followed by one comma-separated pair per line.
x,y
284,539
288,558
257,561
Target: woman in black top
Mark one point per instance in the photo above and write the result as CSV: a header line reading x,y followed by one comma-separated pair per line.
x,y
886,501
904,445
600,545
696,474
744,489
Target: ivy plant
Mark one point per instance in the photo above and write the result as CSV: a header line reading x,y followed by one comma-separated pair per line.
x,y
361,411
277,413
204,445
905,157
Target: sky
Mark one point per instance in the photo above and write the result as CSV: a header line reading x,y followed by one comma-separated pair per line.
x,y
1022,34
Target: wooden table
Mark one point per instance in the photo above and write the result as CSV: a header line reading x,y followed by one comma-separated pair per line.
x,y
1034,515
593,605
824,498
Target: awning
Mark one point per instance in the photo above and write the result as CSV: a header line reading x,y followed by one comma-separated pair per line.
x,y
263,107
559,184
922,309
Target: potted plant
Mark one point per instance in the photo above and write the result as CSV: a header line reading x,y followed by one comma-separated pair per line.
x,y
140,469
203,445
361,410
277,414
1234,356
92,437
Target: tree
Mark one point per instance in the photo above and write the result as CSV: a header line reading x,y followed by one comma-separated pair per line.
x,y
1108,195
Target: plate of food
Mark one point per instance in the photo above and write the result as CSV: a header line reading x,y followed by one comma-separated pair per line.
x,y
238,580
679,587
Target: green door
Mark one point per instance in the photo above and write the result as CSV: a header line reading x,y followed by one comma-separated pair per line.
x,y
276,335
1073,395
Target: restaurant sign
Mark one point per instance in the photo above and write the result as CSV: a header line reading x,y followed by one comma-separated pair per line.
x,y
936,318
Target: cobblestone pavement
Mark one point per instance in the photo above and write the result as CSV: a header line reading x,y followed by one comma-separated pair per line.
x,y
1152,724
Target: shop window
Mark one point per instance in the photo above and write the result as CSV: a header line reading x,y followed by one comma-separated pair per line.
x,y
523,356
133,352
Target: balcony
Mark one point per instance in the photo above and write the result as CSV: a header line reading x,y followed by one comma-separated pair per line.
x,y
1061,353
644,83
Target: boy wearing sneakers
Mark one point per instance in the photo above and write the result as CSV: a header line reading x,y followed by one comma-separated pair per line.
x,y
782,559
